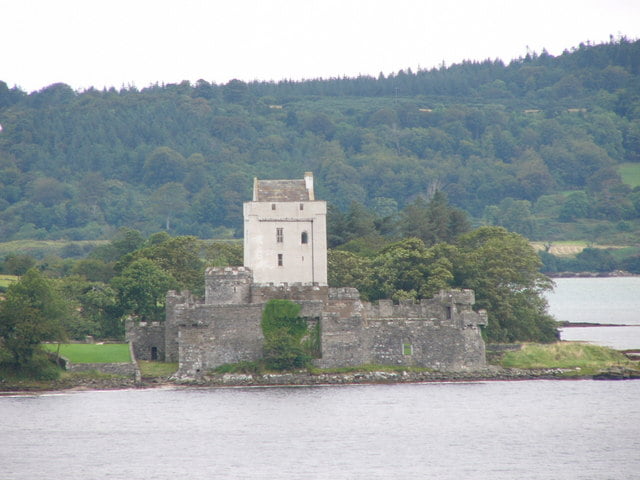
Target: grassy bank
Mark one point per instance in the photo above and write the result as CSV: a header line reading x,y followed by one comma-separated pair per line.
x,y
565,355
149,369
92,353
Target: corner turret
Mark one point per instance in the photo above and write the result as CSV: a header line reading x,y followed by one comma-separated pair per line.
x,y
227,285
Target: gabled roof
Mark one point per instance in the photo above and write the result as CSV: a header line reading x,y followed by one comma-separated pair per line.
x,y
284,190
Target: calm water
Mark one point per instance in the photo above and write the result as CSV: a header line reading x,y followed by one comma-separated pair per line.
x,y
491,430
599,300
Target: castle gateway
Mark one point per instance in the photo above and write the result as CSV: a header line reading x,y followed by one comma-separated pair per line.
x,y
285,256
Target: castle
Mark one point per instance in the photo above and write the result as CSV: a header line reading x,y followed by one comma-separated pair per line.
x,y
285,256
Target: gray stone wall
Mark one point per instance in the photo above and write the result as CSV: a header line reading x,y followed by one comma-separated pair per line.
x,y
227,285
421,343
221,334
180,308
145,337
440,333
124,369
296,292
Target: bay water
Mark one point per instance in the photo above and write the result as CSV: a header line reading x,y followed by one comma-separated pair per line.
x,y
607,301
486,430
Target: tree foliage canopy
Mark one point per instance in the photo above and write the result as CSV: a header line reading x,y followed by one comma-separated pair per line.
x,y
31,313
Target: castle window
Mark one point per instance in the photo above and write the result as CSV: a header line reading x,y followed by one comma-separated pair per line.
x,y
448,312
304,238
302,206
279,259
407,349
279,235
273,206
154,353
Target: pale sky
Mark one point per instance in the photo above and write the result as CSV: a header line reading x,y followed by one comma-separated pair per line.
x,y
102,43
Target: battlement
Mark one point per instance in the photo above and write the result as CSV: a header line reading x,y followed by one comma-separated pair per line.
x,y
344,293
227,272
457,296
184,298
448,307
261,293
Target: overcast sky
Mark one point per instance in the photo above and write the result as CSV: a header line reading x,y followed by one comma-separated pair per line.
x,y
140,42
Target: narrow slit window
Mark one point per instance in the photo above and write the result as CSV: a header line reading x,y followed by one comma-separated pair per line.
x,y
302,206
279,235
273,206
304,238
279,259
449,312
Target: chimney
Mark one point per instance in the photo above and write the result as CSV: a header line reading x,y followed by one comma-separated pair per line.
x,y
308,183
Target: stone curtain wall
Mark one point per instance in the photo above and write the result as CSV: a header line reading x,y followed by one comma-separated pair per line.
x,y
420,343
220,334
439,333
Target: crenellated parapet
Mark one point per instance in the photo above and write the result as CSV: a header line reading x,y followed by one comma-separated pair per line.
x,y
296,292
185,299
448,307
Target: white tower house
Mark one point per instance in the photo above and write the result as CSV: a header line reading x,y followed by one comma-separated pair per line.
x,y
285,232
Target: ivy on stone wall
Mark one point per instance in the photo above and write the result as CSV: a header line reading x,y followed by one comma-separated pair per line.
x,y
284,333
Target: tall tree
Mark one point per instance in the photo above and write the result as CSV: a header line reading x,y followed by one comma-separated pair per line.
x,y
31,313
141,289
503,269
434,221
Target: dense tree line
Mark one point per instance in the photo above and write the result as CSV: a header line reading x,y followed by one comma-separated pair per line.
x,y
534,145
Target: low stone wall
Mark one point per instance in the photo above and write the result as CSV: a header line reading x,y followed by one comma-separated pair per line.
x,y
124,369
489,373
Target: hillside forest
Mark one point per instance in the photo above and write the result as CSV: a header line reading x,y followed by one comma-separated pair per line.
x,y
546,146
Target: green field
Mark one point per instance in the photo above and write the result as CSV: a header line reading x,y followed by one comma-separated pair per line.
x,y
630,173
6,280
41,248
92,353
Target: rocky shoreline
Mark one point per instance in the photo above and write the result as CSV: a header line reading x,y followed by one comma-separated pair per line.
x,y
316,379
615,273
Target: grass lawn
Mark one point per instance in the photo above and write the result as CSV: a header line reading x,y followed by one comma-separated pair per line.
x,y
630,173
93,353
564,355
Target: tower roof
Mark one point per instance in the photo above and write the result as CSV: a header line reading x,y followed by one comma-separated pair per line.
x,y
284,190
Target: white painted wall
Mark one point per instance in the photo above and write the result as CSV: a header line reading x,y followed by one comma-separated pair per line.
x,y
303,263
